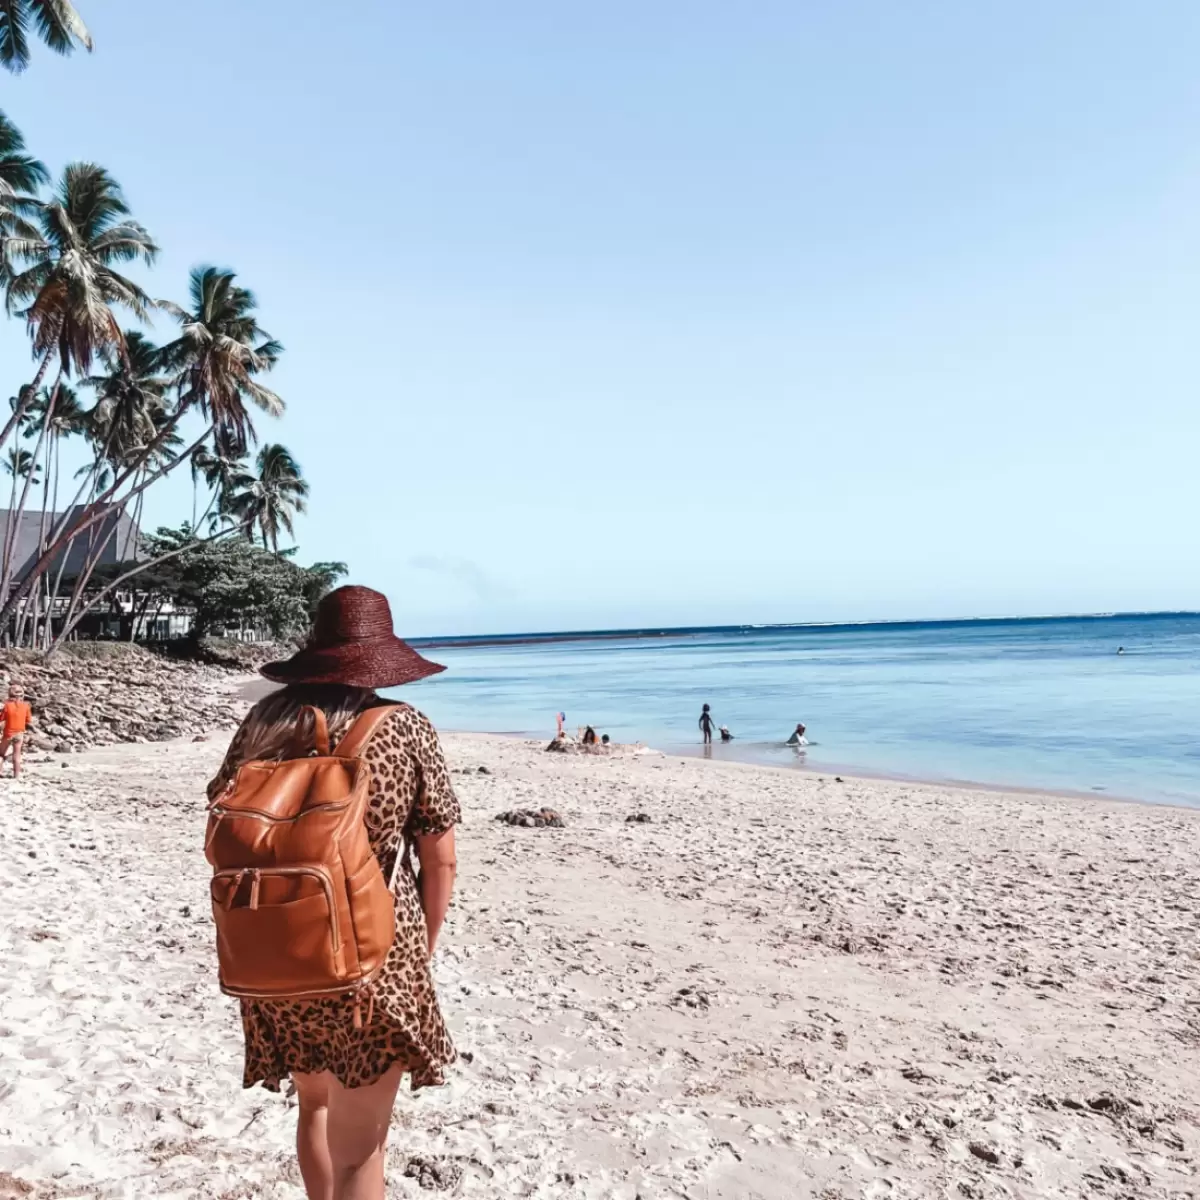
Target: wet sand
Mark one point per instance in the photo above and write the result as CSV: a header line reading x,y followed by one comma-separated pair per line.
x,y
779,986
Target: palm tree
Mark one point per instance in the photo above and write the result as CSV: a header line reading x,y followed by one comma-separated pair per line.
x,y
20,177
214,361
67,419
219,468
268,501
19,463
126,426
220,350
70,284
57,24
131,400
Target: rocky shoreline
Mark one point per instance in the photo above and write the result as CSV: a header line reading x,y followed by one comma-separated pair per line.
x,y
103,693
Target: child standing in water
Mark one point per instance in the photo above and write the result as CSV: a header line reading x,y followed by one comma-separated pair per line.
x,y
15,718
706,725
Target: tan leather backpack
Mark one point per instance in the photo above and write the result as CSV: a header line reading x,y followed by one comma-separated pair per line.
x,y
300,902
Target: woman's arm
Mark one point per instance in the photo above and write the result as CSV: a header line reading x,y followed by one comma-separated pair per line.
x,y
435,852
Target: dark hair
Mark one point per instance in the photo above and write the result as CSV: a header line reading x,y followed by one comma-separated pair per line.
x,y
705,708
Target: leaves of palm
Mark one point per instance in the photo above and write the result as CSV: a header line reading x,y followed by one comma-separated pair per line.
x,y
20,176
220,350
131,401
20,463
69,283
56,22
268,502
219,468
68,417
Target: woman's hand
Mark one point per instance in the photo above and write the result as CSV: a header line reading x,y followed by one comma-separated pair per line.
x,y
435,852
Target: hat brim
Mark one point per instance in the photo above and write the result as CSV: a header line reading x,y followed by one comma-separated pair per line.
x,y
378,663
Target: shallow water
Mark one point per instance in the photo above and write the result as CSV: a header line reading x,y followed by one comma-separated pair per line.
x,y
1043,703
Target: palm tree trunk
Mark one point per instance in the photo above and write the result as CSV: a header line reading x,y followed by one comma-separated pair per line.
x,y
32,624
52,592
8,534
15,519
94,555
26,399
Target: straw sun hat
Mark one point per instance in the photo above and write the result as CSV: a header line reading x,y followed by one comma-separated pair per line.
x,y
353,643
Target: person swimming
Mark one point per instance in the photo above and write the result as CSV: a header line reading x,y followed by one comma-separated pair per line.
x,y
797,738
726,736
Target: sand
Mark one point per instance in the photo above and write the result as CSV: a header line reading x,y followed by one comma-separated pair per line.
x,y
779,986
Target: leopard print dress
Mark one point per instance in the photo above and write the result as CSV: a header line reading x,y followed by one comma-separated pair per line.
x,y
410,794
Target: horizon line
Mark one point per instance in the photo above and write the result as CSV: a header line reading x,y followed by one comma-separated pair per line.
x,y
648,631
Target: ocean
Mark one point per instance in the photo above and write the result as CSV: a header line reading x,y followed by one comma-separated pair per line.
x,y
1028,702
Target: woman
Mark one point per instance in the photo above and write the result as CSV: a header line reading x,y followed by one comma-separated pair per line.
x,y
346,1077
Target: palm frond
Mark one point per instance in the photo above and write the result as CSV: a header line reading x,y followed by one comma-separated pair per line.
x,y
14,37
59,25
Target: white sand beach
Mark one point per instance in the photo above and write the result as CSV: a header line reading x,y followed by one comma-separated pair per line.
x,y
779,986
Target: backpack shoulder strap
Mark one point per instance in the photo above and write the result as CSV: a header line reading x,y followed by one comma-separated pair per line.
x,y
365,724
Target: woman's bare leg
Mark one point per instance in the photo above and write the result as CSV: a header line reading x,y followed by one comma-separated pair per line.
x,y
312,1144
357,1131
16,760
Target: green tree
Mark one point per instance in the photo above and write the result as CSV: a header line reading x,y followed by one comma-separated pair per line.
x,y
234,584
55,21
267,502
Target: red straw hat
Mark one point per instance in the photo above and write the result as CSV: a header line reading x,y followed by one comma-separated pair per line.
x,y
353,644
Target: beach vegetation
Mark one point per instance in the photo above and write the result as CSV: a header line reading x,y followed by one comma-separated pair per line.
x,y
131,410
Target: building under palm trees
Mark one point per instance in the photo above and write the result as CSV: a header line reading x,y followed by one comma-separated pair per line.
x,y
111,541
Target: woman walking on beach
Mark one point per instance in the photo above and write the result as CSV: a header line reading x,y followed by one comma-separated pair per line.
x,y
347,1070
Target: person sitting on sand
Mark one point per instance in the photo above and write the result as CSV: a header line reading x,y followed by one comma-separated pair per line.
x,y
589,736
726,736
604,740
798,738
706,725
15,718
346,1071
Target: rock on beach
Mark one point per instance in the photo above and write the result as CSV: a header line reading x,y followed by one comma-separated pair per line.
x,y
106,693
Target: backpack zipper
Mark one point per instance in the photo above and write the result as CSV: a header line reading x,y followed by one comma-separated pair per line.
x,y
219,812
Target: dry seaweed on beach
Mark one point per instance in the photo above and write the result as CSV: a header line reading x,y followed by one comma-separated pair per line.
x,y
541,818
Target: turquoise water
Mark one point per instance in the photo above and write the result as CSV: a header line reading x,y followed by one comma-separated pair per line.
x,y
1031,702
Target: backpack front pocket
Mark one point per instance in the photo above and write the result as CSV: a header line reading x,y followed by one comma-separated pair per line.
x,y
277,932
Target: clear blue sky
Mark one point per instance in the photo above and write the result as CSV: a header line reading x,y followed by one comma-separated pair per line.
x,y
677,313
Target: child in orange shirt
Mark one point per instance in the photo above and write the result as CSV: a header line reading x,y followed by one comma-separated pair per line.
x,y
15,718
